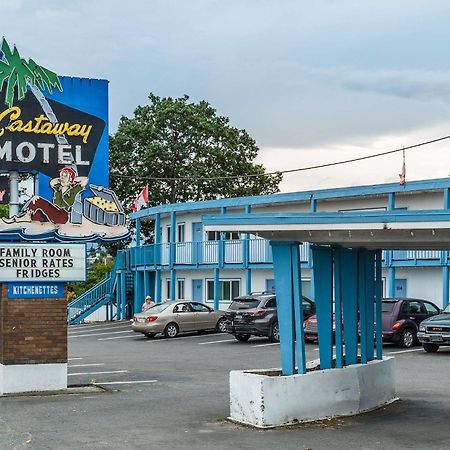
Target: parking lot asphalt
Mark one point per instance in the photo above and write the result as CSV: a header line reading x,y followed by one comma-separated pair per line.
x,y
174,394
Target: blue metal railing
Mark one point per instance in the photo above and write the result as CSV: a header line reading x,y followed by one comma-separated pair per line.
x,y
260,252
98,293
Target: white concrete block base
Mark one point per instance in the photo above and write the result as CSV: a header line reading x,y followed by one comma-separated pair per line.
x,y
32,378
259,398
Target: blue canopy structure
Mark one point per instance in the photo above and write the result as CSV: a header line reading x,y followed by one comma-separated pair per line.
x,y
347,254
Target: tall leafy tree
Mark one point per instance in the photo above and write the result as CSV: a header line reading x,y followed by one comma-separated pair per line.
x,y
192,151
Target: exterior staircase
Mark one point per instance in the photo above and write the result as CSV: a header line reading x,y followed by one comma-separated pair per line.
x,y
103,293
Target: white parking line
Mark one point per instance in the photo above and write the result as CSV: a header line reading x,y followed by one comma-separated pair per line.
x,y
101,334
404,351
96,329
153,341
116,337
125,382
73,359
89,326
96,373
87,365
266,345
215,342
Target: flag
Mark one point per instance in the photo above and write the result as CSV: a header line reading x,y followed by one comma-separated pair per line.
x,y
140,200
403,174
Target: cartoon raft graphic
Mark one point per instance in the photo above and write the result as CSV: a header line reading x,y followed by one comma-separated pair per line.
x,y
104,208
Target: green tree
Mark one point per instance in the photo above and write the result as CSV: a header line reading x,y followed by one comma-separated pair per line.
x,y
189,145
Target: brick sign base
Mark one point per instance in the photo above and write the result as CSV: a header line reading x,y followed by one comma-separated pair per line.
x,y
33,343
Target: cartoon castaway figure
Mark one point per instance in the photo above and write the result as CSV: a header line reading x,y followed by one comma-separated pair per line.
x,y
65,191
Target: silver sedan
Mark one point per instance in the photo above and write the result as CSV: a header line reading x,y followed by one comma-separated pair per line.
x,y
171,318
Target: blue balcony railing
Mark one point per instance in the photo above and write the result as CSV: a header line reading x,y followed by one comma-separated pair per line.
x,y
207,252
259,252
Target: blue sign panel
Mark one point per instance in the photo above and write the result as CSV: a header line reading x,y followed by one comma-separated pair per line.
x,y
35,290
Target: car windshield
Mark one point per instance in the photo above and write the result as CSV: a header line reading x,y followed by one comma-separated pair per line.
x,y
387,307
244,303
157,308
447,309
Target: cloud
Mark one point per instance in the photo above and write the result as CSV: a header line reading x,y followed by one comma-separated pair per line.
x,y
423,85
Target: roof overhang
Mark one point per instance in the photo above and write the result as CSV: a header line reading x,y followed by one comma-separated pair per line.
x,y
402,230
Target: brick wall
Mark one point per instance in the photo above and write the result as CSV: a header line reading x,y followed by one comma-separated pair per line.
x,y
32,331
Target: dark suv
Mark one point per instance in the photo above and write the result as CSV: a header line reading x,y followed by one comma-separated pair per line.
x,y
256,315
401,319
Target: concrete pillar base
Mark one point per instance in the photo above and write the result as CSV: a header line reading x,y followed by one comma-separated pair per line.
x,y
264,399
32,378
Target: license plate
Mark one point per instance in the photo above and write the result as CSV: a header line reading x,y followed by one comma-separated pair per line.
x,y
141,320
436,338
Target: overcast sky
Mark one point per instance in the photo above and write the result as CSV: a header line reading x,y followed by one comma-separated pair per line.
x,y
312,82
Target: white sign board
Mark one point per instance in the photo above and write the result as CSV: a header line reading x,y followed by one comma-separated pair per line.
x,y
42,262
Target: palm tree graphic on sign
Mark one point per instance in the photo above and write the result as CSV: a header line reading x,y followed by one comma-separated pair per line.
x,y
20,75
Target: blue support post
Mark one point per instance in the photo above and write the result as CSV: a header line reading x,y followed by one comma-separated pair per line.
x,y
338,306
349,289
173,284
379,296
447,198
119,290
323,280
173,254
362,303
298,308
248,281
370,304
138,232
392,282
158,296
138,297
173,226
283,270
391,201
445,286
157,239
123,296
246,244
216,288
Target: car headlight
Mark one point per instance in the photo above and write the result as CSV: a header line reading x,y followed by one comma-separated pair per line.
x,y
422,328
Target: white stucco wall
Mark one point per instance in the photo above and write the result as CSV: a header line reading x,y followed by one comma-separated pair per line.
x,y
422,282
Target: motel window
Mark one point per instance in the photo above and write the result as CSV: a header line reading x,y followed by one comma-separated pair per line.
x,y
228,289
168,232
180,289
215,236
168,288
180,232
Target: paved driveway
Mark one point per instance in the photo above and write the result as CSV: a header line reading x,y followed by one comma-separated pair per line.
x,y
173,394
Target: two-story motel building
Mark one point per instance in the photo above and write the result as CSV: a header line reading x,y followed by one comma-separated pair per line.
x,y
187,262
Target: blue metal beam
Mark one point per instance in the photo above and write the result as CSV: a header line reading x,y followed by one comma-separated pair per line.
x,y
349,288
323,289
283,270
378,309
338,305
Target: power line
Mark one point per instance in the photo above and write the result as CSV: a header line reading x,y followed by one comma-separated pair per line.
x,y
253,175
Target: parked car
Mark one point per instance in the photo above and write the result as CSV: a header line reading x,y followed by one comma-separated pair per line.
x,y
171,318
401,318
435,331
256,315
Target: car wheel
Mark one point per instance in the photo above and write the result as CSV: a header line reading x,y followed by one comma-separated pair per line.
x,y
407,339
275,333
242,337
171,330
221,326
431,348
150,335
